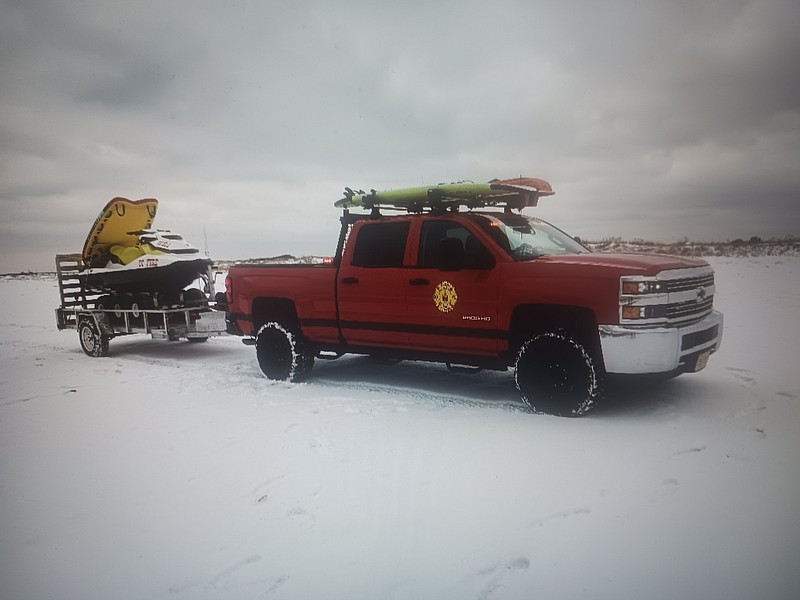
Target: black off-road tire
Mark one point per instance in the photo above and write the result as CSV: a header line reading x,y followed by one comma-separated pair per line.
x,y
282,353
556,375
93,343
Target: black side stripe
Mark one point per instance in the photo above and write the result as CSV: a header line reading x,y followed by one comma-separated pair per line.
x,y
491,334
466,332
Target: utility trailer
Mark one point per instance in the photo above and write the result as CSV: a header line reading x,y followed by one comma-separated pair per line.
x,y
81,309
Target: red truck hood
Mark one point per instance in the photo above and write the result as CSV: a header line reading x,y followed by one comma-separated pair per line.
x,y
639,264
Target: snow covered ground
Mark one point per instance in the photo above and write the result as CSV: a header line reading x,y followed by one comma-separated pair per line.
x,y
175,470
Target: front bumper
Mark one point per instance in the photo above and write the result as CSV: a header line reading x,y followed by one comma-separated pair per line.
x,y
632,350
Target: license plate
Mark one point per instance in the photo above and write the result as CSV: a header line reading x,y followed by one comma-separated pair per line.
x,y
702,361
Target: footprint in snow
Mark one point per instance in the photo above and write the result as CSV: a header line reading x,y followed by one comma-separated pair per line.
x,y
563,514
274,587
692,450
261,491
498,573
302,517
744,376
667,488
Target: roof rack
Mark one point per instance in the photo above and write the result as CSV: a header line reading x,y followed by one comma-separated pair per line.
x,y
514,193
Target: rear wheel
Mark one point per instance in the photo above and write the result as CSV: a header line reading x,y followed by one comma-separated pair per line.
x,y
282,353
556,375
93,343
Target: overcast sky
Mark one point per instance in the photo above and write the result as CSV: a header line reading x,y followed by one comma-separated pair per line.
x,y
246,119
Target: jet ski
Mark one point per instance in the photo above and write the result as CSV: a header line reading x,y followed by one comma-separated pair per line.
x,y
129,262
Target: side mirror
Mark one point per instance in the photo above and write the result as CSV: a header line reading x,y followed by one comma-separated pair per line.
x,y
451,255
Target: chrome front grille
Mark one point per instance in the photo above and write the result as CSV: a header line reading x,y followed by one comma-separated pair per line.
x,y
681,311
689,283
671,297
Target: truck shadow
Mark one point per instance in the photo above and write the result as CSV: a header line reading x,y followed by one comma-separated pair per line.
x,y
422,380
494,389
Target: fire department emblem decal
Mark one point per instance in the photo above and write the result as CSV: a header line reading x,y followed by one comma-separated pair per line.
x,y
445,296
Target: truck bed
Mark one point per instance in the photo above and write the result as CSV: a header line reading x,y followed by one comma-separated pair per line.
x,y
311,288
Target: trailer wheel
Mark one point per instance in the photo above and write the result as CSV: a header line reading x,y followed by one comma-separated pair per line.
x,y
93,343
282,353
120,303
104,302
556,375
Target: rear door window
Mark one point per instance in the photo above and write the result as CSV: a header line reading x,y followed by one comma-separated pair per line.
x,y
381,245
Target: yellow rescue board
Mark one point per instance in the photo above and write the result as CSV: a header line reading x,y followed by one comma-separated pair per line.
x,y
112,228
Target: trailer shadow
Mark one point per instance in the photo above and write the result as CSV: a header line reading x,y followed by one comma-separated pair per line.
x,y
220,349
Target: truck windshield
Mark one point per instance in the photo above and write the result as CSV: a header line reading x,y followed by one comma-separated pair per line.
x,y
527,238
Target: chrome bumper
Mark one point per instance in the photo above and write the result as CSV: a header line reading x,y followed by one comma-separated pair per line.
x,y
660,349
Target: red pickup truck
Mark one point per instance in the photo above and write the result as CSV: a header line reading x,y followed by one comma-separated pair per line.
x,y
462,277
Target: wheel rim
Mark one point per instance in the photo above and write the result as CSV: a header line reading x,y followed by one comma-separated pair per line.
x,y
88,338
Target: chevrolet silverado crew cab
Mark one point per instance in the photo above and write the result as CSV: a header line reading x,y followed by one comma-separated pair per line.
x,y
456,273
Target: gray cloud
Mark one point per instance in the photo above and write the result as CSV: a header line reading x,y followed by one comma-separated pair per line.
x,y
246,119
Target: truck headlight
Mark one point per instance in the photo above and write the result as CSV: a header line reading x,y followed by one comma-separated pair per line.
x,y
634,288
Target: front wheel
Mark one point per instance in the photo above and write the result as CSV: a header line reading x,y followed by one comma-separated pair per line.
x,y
93,343
282,353
556,375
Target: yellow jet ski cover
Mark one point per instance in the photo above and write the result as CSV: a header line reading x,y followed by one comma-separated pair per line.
x,y
113,227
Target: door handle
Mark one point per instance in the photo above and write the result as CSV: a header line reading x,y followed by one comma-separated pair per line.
x,y
419,281
349,279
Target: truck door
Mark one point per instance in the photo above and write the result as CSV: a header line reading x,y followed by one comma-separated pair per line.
x,y
373,284
452,307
